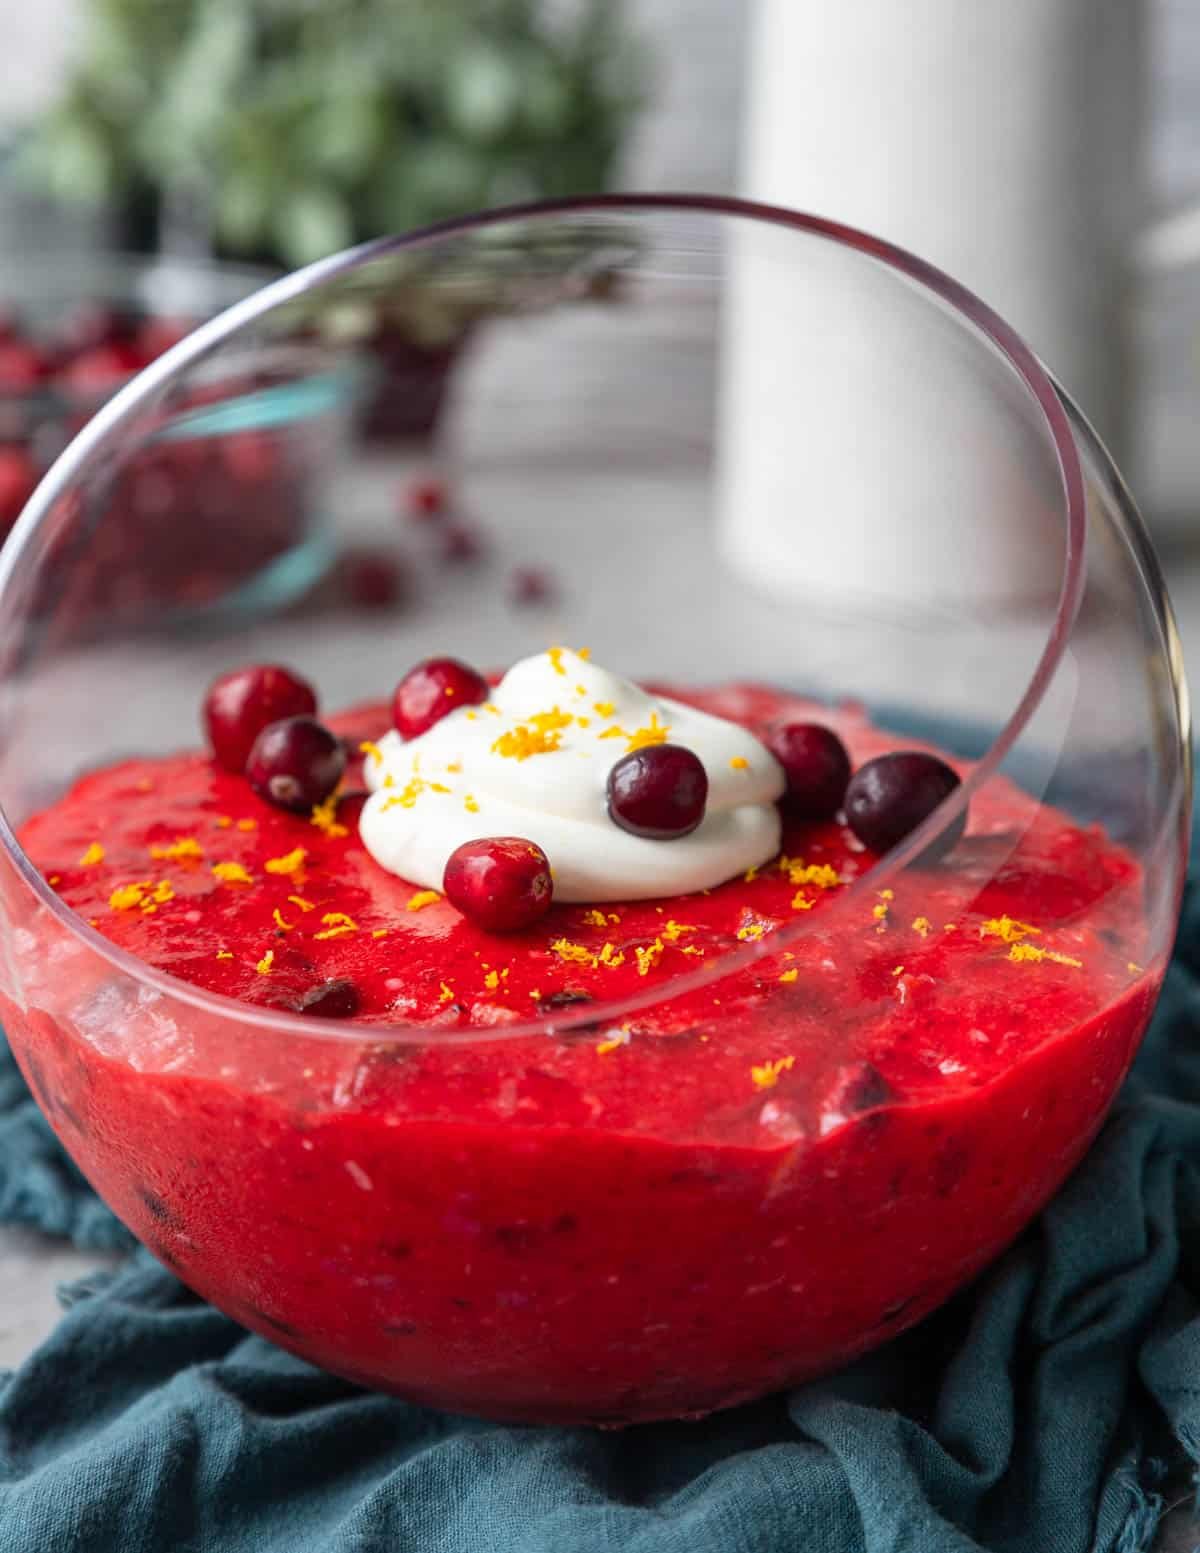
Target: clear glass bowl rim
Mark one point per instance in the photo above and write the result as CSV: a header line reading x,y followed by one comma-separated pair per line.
x,y
87,448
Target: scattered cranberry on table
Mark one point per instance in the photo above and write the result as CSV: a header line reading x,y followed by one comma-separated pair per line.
x,y
240,704
296,763
817,767
23,366
658,792
371,578
530,585
502,883
426,499
18,479
890,796
460,545
432,689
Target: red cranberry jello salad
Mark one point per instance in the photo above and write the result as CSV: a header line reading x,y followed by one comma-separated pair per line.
x,y
677,1104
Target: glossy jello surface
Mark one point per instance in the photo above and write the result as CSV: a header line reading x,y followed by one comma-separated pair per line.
x,y
730,1189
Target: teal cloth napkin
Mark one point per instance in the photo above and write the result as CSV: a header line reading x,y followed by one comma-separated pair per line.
x,y
1038,1413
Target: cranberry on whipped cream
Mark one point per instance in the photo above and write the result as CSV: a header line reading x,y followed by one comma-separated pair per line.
x,y
534,761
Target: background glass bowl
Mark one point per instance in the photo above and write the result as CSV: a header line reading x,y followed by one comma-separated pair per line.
x,y
195,522
511,1255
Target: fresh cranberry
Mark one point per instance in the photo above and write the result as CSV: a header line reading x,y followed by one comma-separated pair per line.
x,y
659,792
18,477
101,369
23,366
529,585
460,545
251,457
816,764
891,795
94,324
427,693
337,999
156,336
426,498
371,578
295,763
240,704
502,884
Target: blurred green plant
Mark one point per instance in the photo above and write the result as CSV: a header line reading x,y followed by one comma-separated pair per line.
x,y
300,126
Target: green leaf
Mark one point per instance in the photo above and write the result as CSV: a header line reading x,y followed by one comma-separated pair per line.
x,y
482,93
311,223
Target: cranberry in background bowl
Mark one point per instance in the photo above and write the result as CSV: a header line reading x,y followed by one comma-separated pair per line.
x,y
247,505
578,1207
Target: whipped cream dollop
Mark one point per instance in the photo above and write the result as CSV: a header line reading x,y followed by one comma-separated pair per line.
x,y
534,762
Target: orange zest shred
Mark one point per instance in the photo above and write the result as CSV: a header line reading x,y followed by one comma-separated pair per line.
x,y
1007,930
801,902
751,932
337,923
613,1042
551,721
93,856
290,863
1021,952
521,742
739,763
595,918
604,708
379,932
324,817
798,871
281,922
126,896
407,796
615,732
224,821
446,993
421,899
369,748
232,873
298,900
649,956
182,848
789,976
247,824
673,931
653,733
264,965
470,804
922,925
765,1075
555,656
224,954
579,954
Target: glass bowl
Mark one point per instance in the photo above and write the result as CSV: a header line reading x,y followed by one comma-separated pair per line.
x,y
739,447
195,521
